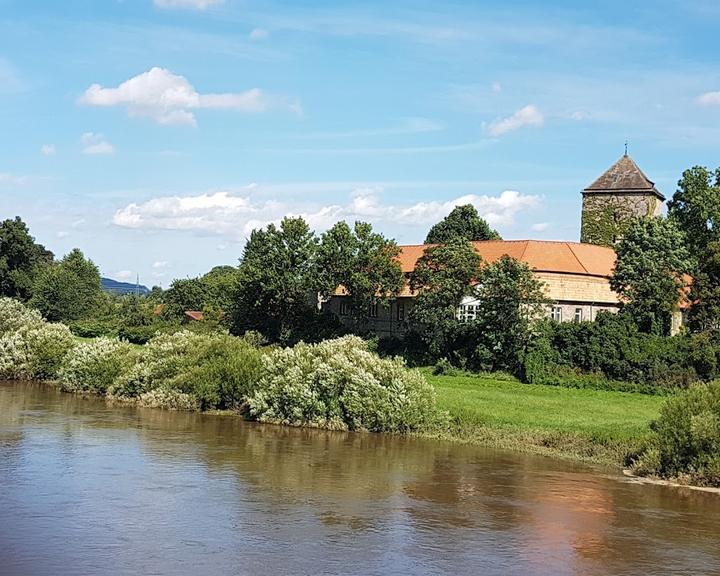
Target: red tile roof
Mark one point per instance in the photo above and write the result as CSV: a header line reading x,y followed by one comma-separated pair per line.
x,y
541,256
194,315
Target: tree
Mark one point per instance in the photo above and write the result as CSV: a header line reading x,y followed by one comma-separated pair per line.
x,y
652,260
442,277
705,292
695,207
463,222
277,282
184,294
364,263
69,290
21,259
510,300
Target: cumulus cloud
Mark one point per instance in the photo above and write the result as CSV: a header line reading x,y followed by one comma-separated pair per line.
x,y
539,227
236,215
259,34
527,116
169,98
194,4
710,99
160,264
48,150
96,144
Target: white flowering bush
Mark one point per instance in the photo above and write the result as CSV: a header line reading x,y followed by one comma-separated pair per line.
x,y
15,315
94,366
169,399
35,350
340,384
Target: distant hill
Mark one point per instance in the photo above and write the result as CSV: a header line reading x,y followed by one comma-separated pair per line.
x,y
117,287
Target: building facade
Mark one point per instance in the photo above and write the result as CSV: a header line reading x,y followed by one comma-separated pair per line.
x,y
610,203
576,275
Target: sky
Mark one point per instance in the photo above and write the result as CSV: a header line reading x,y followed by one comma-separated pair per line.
x,y
156,134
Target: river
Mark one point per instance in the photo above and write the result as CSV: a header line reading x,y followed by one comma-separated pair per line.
x,y
87,488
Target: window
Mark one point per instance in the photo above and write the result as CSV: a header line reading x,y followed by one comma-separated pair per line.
x,y
467,312
344,308
373,310
578,315
557,313
400,311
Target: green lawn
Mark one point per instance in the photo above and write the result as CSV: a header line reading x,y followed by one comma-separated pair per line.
x,y
589,424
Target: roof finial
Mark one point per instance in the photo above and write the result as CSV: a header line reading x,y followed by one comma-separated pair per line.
x,y
626,145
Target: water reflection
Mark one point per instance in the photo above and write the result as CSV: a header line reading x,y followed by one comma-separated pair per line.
x,y
93,488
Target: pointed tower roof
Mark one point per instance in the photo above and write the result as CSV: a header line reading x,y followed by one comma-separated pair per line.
x,y
624,176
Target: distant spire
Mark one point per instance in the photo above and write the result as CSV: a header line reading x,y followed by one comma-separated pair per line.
x,y
626,145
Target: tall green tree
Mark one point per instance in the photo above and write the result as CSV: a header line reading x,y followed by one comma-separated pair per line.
x,y
463,222
442,277
365,263
277,281
69,290
21,259
510,300
214,290
652,259
695,207
705,292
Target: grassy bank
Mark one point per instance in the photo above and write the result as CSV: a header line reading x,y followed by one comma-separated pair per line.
x,y
595,425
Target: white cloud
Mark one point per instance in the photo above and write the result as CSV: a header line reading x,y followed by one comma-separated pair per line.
x,y
259,34
527,116
235,216
6,178
710,99
540,227
160,264
48,150
169,98
96,144
62,234
123,275
497,87
195,4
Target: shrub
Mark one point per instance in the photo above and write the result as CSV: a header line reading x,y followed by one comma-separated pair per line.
x,y
216,370
94,366
94,328
687,437
15,315
34,350
340,384
223,373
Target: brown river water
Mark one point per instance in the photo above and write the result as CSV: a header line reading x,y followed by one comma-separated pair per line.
x,y
89,488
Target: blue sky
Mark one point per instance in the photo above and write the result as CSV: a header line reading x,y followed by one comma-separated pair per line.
x,y
155,134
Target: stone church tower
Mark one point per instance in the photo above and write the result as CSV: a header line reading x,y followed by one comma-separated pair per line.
x,y
614,199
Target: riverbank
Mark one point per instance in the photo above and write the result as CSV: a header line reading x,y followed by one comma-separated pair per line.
x,y
579,424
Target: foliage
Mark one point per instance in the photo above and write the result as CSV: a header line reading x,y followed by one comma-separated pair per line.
x,y
15,315
695,207
277,281
463,223
218,370
69,290
364,263
34,350
510,302
21,259
611,353
341,384
687,441
442,277
94,366
705,291
649,273
215,290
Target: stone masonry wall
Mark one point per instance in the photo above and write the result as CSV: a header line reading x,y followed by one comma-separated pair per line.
x,y
605,216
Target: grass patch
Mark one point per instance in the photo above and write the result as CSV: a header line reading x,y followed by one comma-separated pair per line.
x,y
596,425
